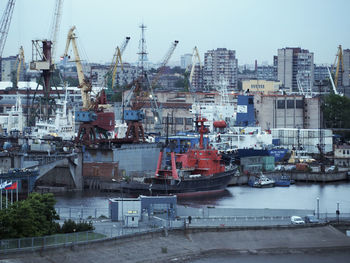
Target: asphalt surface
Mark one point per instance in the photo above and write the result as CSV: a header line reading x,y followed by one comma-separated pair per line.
x,y
192,246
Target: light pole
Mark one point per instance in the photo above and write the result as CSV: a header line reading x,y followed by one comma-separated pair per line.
x,y
338,212
318,208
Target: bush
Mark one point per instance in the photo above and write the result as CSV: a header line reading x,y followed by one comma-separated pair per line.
x,y
70,226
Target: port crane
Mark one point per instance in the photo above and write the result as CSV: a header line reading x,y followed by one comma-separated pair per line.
x,y
95,122
117,59
338,67
84,83
5,24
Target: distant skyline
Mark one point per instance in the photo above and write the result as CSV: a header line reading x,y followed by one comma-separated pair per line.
x,y
254,29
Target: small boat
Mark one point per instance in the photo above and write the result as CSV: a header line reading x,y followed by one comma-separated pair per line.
x,y
262,182
199,171
284,180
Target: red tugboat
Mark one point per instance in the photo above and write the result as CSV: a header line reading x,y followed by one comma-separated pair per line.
x,y
197,172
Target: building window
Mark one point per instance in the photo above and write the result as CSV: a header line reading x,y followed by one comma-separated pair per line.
x,y
281,104
179,120
290,104
299,104
188,121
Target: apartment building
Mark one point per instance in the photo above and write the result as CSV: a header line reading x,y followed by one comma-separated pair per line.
x,y
295,69
220,64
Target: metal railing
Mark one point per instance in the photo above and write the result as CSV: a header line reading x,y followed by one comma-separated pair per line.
x,y
106,229
82,212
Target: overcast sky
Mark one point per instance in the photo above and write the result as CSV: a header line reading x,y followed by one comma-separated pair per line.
x,y
254,28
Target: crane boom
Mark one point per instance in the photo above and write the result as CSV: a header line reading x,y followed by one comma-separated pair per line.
x,y
332,82
5,23
84,84
164,62
195,54
55,26
117,58
338,66
20,61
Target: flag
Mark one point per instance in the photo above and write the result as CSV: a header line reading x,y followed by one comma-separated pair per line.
x,y
5,184
13,186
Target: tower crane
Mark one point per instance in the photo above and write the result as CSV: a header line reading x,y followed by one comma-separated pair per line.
x,y
20,62
5,24
55,26
84,84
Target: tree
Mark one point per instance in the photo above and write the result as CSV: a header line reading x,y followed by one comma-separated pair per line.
x,y
336,111
34,216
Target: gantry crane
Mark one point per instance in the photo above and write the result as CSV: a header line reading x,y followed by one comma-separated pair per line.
x,y
84,83
5,24
95,122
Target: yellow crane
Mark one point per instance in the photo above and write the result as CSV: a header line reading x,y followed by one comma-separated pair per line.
x,y
20,62
195,55
84,84
118,59
338,66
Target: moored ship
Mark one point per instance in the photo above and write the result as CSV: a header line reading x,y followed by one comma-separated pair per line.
x,y
199,171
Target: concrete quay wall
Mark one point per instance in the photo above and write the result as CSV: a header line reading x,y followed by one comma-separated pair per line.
x,y
182,245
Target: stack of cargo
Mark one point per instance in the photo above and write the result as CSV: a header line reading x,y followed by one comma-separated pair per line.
x,y
252,164
268,163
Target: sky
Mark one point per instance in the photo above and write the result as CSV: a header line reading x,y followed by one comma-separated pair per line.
x,y
256,29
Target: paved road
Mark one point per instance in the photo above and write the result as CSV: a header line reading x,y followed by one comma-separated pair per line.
x,y
183,246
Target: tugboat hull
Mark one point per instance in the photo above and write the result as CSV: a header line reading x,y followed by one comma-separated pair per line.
x,y
203,185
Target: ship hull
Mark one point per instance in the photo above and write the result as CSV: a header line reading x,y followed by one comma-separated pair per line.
x,y
205,185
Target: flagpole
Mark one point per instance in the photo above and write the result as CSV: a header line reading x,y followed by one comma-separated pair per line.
x,y
17,191
6,199
1,196
11,197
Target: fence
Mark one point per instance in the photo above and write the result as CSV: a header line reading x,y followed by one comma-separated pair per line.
x,y
82,212
201,217
70,239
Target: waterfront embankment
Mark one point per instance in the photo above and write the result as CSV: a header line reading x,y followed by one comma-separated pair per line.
x,y
187,245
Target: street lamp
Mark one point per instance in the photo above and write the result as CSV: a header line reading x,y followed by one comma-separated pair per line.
x,y
318,208
337,212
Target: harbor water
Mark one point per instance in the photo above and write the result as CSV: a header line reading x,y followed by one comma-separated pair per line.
x,y
297,196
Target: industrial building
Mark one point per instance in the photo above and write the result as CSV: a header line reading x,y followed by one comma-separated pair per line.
x,y
262,86
287,111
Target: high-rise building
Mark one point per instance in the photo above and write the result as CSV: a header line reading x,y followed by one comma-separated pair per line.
x,y
295,68
220,64
346,72
186,60
9,69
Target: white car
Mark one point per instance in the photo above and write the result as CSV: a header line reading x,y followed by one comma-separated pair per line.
x,y
297,220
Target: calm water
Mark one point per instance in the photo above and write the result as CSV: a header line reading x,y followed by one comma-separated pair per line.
x,y
298,196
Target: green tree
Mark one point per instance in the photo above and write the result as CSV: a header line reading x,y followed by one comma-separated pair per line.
x,y
336,111
34,216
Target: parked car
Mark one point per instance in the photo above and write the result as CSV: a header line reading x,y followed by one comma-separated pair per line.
x,y
297,220
311,219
